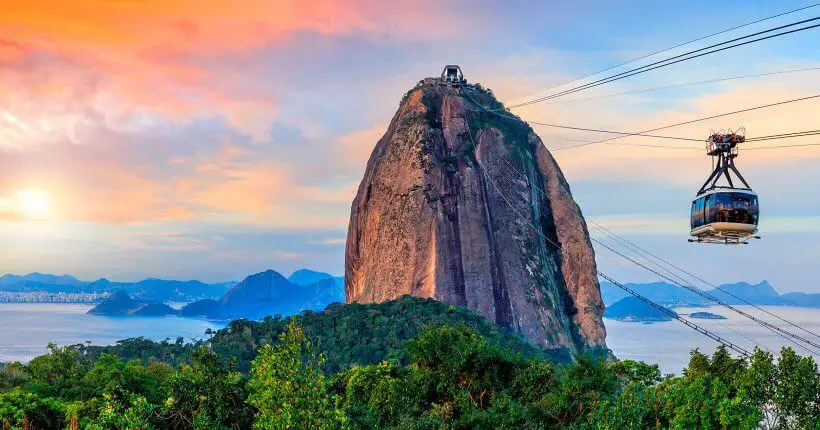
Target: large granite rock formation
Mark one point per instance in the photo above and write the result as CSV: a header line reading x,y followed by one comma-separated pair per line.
x,y
449,207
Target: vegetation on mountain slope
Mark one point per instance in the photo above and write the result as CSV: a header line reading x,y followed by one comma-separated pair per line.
x,y
346,334
449,375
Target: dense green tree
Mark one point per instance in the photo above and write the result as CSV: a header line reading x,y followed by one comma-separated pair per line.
x,y
58,373
109,374
120,410
12,375
377,396
289,389
209,393
633,408
21,409
797,391
581,387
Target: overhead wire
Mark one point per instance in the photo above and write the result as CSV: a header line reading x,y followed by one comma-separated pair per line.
x,y
644,133
780,146
740,350
784,135
686,84
795,100
676,46
727,327
680,282
677,59
568,127
781,332
794,337
729,293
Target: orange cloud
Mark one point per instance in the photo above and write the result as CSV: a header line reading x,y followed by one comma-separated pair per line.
x,y
212,25
125,57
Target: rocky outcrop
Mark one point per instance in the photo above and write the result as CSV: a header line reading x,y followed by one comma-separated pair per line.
x,y
120,303
468,207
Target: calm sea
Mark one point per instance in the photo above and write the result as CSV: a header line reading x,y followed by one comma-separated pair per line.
x,y
668,343
26,328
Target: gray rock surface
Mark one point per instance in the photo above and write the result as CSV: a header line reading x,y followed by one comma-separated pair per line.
x,y
448,208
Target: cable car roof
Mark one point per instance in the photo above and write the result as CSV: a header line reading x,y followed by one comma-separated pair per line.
x,y
722,190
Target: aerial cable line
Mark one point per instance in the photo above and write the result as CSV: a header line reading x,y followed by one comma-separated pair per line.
x,y
674,47
689,148
678,58
729,293
621,133
740,350
752,139
695,120
645,133
693,289
557,246
773,328
567,127
717,300
784,135
754,342
687,84
780,146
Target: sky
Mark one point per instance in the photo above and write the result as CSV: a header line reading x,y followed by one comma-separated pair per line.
x,y
210,140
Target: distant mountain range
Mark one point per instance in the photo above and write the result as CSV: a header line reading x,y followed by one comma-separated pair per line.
x,y
674,296
157,290
270,293
258,295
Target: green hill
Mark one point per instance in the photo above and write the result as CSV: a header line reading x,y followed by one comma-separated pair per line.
x,y
346,334
355,333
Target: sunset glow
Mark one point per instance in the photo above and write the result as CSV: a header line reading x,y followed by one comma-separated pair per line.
x,y
224,136
33,203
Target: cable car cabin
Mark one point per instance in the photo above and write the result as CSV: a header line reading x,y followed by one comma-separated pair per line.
x,y
727,215
722,214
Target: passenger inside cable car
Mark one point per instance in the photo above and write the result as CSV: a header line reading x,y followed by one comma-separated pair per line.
x,y
727,208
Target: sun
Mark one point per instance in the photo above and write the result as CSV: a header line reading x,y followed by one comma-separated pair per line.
x,y
33,203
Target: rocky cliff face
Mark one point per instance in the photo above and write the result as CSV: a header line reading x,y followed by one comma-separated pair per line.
x,y
469,208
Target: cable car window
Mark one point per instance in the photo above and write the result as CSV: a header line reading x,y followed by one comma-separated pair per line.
x,y
697,213
732,208
710,210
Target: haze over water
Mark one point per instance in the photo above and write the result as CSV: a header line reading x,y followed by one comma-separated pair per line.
x,y
26,328
668,343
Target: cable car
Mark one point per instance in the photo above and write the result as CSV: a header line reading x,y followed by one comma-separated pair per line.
x,y
724,214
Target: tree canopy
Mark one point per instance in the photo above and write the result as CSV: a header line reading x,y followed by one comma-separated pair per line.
x,y
447,374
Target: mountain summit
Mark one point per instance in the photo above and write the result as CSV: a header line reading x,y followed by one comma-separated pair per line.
x,y
449,207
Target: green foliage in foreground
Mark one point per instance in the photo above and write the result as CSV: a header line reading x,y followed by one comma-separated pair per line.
x,y
447,376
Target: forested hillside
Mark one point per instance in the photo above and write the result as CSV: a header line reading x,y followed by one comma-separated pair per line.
x,y
346,334
453,371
